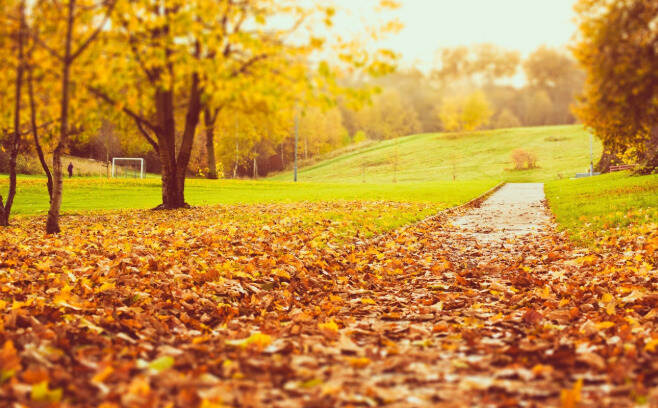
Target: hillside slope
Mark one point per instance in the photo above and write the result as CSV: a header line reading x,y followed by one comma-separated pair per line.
x,y
561,152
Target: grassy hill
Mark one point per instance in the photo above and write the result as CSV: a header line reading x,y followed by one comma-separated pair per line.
x,y
561,152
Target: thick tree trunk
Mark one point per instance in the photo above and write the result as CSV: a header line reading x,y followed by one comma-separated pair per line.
x,y
174,167
172,195
609,157
649,160
209,122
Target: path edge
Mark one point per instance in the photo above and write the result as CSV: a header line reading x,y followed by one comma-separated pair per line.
x,y
445,213
474,203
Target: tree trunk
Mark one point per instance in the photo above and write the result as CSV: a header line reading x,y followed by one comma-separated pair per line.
x,y
35,134
174,167
172,195
52,222
237,153
649,160
209,122
5,209
608,158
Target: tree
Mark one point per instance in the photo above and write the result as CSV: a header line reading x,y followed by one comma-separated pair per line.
x,y
321,130
538,108
417,91
506,119
483,62
468,113
388,117
556,73
182,60
18,34
618,48
77,30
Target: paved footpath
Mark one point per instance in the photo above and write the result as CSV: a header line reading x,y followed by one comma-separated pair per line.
x,y
515,210
472,311
489,308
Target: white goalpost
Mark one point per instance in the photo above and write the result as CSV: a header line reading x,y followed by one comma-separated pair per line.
x,y
119,170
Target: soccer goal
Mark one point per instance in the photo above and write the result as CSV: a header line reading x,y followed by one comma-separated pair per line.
x,y
128,167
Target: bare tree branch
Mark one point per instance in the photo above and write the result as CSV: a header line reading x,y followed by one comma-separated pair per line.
x,y
96,32
135,116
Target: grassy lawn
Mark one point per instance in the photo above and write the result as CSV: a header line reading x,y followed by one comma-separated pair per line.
x,y
593,208
561,152
397,204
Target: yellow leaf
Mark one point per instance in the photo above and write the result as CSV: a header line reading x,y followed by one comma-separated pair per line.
x,y
571,398
604,325
41,393
102,375
651,345
610,308
106,286
359,362
258,340
329,326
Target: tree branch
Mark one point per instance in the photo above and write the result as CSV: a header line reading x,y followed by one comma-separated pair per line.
x,y
148,137
96,32
135,116
247,64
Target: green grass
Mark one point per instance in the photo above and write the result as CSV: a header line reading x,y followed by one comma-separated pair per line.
x,y
85,194
600,205
561,151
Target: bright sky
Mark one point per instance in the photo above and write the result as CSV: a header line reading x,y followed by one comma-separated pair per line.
x,y
522,25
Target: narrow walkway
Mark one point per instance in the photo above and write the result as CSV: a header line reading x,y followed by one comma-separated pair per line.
x,y
515,210
488,309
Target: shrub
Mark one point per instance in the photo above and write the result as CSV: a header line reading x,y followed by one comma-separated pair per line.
x,y
359,137
524,160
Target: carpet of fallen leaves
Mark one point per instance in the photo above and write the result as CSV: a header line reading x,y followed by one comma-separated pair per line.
x,y
262,305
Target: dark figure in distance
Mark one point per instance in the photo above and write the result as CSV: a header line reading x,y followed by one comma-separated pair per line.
x,y
70,169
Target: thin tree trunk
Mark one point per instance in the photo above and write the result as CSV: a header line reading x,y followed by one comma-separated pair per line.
x,y
35,133
52,222
255,173
209,122
5,209
237,156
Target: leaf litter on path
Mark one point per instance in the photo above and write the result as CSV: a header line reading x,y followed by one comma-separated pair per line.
x,y
208,308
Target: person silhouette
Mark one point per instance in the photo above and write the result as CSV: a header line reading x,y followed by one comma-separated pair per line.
x,y
70,169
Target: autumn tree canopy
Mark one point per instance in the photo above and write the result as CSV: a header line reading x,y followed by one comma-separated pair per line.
x,y
618,48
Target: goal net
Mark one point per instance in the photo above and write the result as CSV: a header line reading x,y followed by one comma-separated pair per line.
x,y
128,167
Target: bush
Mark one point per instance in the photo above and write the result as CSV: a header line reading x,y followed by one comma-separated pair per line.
x,y
359,137
524,160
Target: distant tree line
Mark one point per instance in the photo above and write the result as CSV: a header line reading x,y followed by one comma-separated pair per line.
x,y
472,88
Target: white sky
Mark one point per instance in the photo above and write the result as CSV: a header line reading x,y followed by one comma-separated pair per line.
x,y
522,25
